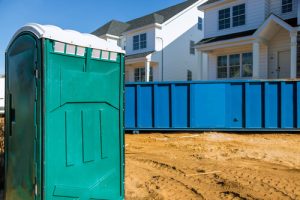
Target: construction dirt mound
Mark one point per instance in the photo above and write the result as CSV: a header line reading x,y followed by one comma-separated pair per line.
x,y
213,166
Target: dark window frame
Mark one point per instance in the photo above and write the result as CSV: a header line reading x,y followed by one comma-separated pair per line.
x,y
286,6
139,41
192,47
224,20
200,23
239,15
136,42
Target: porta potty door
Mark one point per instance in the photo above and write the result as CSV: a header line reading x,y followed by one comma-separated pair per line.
x,y
83,123
21,130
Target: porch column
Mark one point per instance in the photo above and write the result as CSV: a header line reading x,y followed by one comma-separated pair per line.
x,y
200,64
293,54
147,70
256,55
205,65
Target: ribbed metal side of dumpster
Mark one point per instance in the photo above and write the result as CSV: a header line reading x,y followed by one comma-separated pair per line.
x,y
213,105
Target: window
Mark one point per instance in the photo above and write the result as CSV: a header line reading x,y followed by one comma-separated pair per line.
x,y
140,41
189,75
192,47
140,74
247,64
222,67
287,6
238,15
136,42
235,65
200,23
224,18
59,47
143,41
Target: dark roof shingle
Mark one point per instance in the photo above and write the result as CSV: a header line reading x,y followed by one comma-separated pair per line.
x,y
139,55
113,27
161,16
226,37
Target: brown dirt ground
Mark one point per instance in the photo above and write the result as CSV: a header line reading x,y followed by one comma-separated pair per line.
x,y
213,166
1,157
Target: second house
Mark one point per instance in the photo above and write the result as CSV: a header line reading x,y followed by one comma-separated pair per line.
x,y
160,45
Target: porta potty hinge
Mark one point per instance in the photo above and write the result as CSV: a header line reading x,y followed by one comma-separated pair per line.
x,y
35,187
35,190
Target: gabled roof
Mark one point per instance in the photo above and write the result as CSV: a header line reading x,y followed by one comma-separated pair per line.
x,y
113,27
117,28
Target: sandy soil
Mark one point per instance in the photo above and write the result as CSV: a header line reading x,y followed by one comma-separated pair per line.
x,y
213,166
1,157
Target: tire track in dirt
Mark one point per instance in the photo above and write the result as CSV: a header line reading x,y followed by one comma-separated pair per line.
x,y
263,185
214,166
204,185
170,174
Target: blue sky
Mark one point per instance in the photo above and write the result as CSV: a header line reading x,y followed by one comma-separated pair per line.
x,y
80,15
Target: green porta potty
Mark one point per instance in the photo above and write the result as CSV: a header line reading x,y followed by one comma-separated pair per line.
x,y
64,116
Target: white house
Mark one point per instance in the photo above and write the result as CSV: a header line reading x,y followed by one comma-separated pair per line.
x,y
250,39
160,45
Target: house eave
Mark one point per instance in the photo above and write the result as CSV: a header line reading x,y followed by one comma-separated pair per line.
x,y
155,25
212,5
225,43
112,36
277,20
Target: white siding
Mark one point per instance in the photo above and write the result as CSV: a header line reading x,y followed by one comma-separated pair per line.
x,y
275,8
150,41
111,40
255,16
280,42
263,64
298,13
177,35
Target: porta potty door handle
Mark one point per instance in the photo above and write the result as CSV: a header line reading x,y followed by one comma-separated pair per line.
x,y
12,114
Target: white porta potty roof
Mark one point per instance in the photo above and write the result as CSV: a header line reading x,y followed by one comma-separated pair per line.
x,y
68,36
